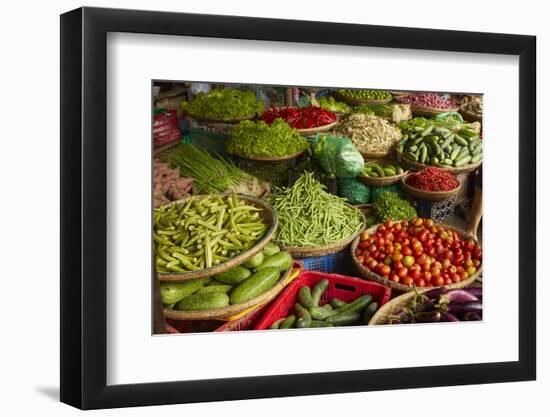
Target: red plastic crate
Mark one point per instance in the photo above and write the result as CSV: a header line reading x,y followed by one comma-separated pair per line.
x,y
247,322
166,128
340,286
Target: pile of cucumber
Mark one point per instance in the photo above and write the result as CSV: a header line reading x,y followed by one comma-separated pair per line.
x,y
307,313
439,146
374,169
235,286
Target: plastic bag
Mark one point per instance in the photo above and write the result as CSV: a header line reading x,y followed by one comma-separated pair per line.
x,y
338,156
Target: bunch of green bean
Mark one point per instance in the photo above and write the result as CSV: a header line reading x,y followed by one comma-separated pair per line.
x,y
309,216
201,233
211,174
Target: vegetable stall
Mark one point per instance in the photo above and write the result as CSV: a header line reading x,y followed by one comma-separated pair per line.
x,y
278,208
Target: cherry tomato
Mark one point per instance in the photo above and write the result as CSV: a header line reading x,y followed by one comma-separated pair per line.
x,y
463,275
428,223
398,227
451,269
397,246
405,250
427,275
408,260
362,245
372,248
476,254
394,278
381,229
361,259
446,263
364,235
358,252
421,259
407,281
469,245
458,260
420,283
455,277
381,256
398,265
406,241
438,281
397,256
388,260
417,246
476,263
389,236
372,265
448,281
389,248
471,270
414,274
430,252
380,242
417,222
435,271
385,270
402,273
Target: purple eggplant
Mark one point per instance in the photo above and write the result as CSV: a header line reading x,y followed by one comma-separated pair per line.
x,y
434,293
464,307
427,316
403,316
476,292
472,316
445,316
454,296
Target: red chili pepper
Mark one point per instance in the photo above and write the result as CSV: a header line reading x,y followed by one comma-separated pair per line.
x,y
433,179
300,118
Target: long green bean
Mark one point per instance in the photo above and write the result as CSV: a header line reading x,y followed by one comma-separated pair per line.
x,y
310,216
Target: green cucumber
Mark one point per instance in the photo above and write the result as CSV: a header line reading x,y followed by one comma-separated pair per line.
x,y
423,154
172,292
205,301
337,303
234,276
455,151
356,305
225,288
378,169
411,156
389,172
288,322
460,140
427,131
320,323
257,284
270,249
369,312
476,158
304,318
318,291
343,319
328,307
321,313
413,148
255,261
277,323
463,161
399,170
281,260
304,297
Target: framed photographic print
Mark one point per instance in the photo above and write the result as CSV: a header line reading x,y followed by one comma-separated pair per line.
x,y
318,202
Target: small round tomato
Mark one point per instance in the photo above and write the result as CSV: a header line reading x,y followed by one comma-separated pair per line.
x,y
372,248
361,259
451,269
381,229
389,248
380,242
476,263
358,252
438,281
397,256
394,278
435,271
448,281
414,274
363,245
471,270
421,259
398,227
408,261
402,273
430,251
458,259
407,281
406,241
417,246
428,223
388,260
427,275
364,235
455,245
445,263
420,283
418,222
463,275
389,236
405,223
455,277
381,256
398,265
397,246
476,254
405,250
372,264
385,270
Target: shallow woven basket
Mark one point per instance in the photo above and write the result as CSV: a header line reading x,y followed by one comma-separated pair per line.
x,y
428,195
231,310
430,111
392,306
229,122
320,129
271,158
418,165
358,101
268,215
470,117
368,274
381,181
307,252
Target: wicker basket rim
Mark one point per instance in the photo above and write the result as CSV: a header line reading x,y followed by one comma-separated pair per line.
x,y
231,309
415,107
367,273
392,305
318,128
237,260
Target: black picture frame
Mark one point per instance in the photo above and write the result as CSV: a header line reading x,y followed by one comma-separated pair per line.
x,y
84,206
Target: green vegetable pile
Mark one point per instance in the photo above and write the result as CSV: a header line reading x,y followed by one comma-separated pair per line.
x,y
258,139
235,286
329,103
366,94
388,206
202,232
394,112
374,169
308,311
211,173
309,216
223,104
420,122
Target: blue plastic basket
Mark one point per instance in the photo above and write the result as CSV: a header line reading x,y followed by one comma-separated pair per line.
x,y
338,262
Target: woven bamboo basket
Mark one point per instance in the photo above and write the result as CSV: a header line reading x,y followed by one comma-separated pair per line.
x,y
430,111
392,306
368,274
427,195
268,215
418,165
358,101
272,158
307,252
381,181
229,122
231,310
320,129
470,117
